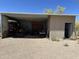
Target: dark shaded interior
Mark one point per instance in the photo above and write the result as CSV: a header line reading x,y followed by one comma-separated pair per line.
x,y
27,29
68,30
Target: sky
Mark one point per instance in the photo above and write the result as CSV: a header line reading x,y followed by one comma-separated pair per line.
x,y
38,6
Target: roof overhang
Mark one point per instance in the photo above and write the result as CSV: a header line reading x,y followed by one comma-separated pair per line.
x,y
39,13
26,16
18,15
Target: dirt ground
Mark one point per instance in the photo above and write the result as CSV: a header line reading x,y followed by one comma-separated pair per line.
x,y
20,48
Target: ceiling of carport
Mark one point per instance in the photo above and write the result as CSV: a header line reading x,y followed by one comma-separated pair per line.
x,y
28,16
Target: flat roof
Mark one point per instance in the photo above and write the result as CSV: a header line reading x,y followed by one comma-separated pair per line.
x,y
33,16
26,13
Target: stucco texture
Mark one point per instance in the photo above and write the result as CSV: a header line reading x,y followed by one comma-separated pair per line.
x,y
57,25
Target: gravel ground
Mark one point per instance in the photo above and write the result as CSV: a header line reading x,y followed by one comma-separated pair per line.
x,y
20,48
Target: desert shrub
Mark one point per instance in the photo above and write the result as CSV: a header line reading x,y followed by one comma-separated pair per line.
x,y
66,45
77,28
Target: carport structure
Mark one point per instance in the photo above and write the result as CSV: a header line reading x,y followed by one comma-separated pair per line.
x,y
24,25
37,25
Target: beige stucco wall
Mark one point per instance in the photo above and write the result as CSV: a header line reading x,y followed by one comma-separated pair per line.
x,y
4,21
57,25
